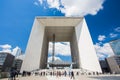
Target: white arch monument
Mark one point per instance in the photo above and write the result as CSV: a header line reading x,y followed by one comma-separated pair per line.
x,y
72,29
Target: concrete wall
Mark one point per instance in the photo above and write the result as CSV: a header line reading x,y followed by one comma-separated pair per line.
x,y
75,51
34,48
114,67
87,54
44,54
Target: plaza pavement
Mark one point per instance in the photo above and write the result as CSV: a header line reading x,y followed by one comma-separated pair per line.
x,y
81,77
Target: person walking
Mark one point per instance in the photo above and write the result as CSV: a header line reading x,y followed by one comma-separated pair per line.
x,y
72,75
65,73
12,74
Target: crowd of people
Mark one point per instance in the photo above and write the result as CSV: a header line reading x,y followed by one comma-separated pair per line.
x,y
58,73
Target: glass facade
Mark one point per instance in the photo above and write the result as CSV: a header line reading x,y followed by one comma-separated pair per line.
x,y
6,61
2,58
115,45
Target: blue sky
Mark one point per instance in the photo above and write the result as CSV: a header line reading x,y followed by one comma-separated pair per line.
x,y
17,16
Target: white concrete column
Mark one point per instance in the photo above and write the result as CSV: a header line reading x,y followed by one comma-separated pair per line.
x,y
44,53
34,47
75,51
87,54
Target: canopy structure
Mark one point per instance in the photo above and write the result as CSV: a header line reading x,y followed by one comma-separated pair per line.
x,y
59,63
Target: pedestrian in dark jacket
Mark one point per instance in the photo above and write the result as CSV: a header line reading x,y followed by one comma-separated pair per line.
x,y
72,75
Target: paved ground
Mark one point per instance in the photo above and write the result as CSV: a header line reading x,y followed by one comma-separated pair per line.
x,y
102,77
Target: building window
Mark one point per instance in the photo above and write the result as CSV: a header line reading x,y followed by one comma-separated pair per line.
x,y
2,59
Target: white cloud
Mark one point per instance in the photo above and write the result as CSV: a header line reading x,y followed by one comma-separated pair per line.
x,y
77,7
41,1
101,37
53,3
81,7
60,48
104,50
36,3
6,46
112,35
117,29
101,56
56,58
6,50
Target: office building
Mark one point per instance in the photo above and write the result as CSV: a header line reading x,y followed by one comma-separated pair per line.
x,y
6,61
114,63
